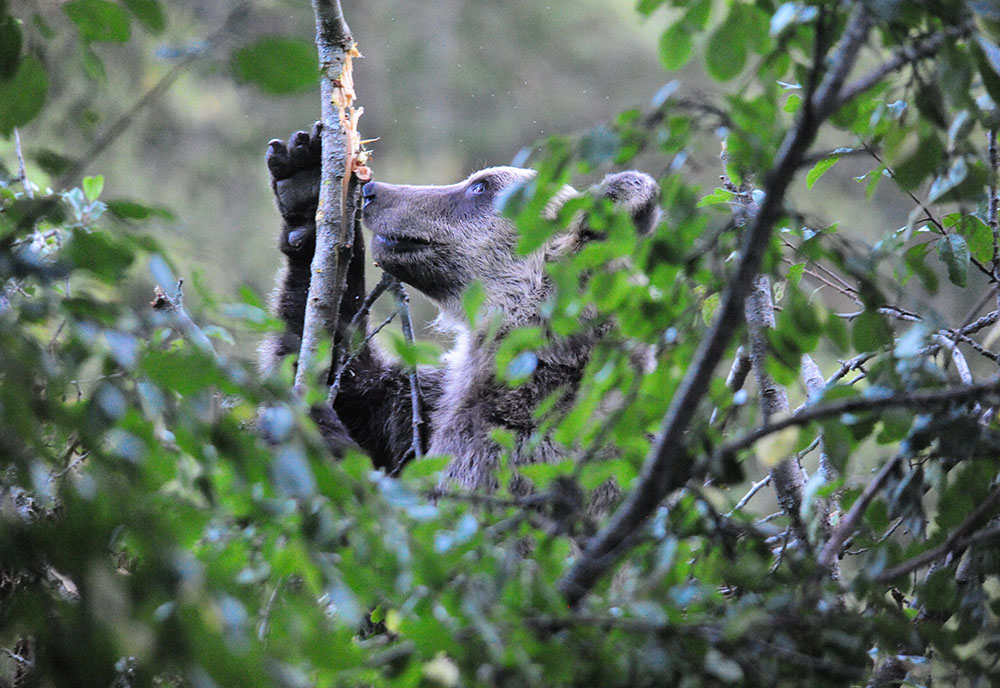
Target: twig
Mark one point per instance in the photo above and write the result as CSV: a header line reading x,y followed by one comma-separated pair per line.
x,y
992,207
735,380
338,188
668,465
810,413
403,306
845,529
955,542
265,622
189,330
754,489
124,121
346,363
22,174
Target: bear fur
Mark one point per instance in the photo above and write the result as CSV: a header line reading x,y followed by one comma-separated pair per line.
x,y
439,240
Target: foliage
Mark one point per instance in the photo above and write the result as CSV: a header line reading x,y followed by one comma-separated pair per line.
x,y
170,518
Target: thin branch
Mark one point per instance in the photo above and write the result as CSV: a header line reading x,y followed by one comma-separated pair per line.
x,y
403,306
754,489
22,174
174,305
346,363
902,57
338,189
845,529
810,413
956,542
669,465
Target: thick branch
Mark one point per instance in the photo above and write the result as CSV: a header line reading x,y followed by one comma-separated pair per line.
x,y
668,465
786,475
338,190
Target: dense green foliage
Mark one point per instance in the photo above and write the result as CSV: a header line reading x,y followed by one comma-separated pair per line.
x,y
150,536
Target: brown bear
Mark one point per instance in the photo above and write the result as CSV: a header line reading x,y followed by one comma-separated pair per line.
x,y
439,240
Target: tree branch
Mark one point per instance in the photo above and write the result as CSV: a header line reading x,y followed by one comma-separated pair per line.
x,y
669,465
809,413
403,306
335,215
831,550
955,542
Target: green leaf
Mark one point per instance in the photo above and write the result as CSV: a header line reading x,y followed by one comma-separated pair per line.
x,y
277,66
957,173
10,46
101,254
99,20
676,45
149,12
22,97
133,210
870,332
819,169
718,196
954,253
726,52
92,187
987,56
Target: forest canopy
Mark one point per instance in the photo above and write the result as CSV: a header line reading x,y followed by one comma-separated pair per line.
x,y
795,393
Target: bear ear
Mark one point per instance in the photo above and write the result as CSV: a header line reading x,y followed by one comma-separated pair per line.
x,y
637,193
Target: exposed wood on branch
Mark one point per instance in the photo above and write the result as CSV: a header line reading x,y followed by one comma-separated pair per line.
x,y
338,196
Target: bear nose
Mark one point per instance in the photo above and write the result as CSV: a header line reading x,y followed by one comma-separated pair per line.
x,y
368,194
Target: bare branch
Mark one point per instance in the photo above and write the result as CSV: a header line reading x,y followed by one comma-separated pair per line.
x,y
403,306
812,377
669,465
22,174
335,215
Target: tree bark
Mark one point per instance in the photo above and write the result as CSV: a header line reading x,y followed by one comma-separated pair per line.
x,y
335,215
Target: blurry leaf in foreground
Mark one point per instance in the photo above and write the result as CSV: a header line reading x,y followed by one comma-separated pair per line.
x,y
22,97
277,66
99,20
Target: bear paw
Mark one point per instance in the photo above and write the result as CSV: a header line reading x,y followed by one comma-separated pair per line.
x,y
295,180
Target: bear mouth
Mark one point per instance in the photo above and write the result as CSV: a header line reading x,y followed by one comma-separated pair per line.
x,y
401,243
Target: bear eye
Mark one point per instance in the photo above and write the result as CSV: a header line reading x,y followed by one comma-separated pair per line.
x,y
478,188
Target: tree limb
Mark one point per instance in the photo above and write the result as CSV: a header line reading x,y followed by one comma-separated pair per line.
x,y
335,214
669,465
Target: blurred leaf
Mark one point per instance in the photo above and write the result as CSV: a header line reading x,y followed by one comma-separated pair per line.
x,y
99,20
22,96
101,254
726,51
11,39
819,169
954,253
870,332
92,187
676,45
149,12
133,210
278,66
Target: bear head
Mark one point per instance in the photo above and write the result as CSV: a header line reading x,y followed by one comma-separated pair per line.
x,y
440,239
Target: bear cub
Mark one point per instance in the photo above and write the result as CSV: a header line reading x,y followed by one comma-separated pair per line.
x,y
439,240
